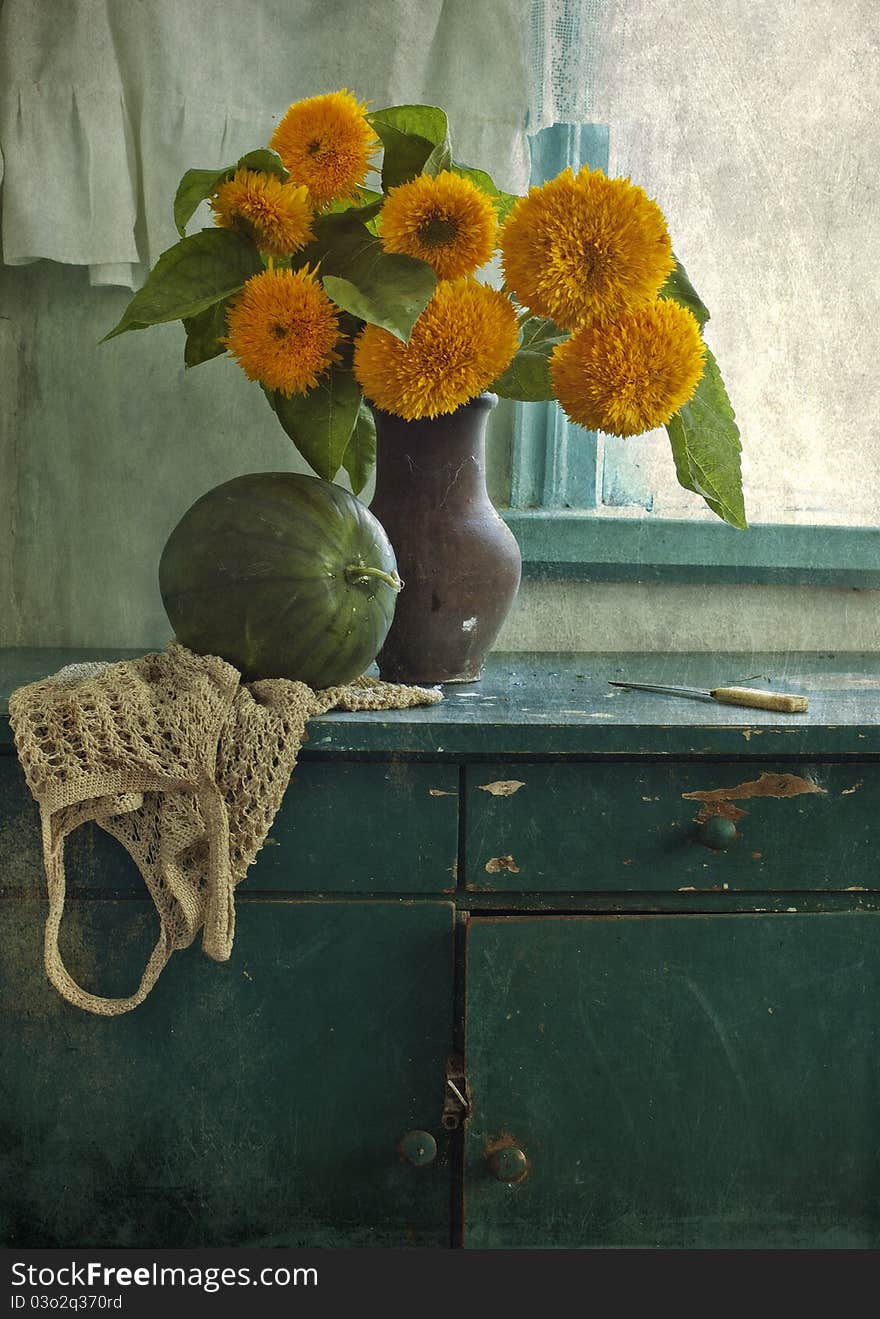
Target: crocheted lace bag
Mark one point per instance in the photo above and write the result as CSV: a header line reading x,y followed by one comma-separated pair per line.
x,y
186,766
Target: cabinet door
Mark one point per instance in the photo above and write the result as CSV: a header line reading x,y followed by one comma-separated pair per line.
x,y
256,1102
674,1081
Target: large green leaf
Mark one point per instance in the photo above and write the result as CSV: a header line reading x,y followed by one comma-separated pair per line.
x,y
528,376
203,334
439,159
383,288
320,423
680,289
265,161
706,447
409,134
504,201
195,273
360,455
197,184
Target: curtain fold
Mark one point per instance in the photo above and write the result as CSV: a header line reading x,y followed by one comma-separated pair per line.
x,y
105,103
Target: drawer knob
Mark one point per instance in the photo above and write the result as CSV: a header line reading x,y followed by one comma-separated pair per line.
x,y
418,1148
508,1164
717,832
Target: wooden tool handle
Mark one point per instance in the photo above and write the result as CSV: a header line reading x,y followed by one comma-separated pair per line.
x,y
758,700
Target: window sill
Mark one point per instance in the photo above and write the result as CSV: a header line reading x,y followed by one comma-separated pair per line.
x,y
587,546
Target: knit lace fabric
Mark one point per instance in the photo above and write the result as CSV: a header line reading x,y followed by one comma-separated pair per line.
x,y
186,766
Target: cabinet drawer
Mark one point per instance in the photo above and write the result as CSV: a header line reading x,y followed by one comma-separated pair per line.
x,y
633,826
343,827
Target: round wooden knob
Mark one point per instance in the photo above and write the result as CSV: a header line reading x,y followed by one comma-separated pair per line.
x,y
508,1164
717,832
418,1148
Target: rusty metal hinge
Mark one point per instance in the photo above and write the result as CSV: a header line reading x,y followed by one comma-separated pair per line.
x,y
456,1095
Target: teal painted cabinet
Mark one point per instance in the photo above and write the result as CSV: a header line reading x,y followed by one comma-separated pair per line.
x,y
675,1081
541,966
260,1102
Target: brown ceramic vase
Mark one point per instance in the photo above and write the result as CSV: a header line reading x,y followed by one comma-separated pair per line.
x,y
459,561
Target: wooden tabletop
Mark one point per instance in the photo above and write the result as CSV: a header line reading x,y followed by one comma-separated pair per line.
x,y
561,704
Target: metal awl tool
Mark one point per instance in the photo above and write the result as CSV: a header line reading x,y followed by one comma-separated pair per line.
x,y
752,697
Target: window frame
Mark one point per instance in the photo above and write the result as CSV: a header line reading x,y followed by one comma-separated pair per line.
x,y
556,510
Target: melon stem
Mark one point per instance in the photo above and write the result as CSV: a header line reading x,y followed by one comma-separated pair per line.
x,y
356,572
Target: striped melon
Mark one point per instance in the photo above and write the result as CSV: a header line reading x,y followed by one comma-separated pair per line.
x,y
284,576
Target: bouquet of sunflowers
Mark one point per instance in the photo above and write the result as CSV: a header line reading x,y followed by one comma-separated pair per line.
x,y
338,296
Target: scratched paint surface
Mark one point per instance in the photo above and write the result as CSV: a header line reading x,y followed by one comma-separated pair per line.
x,y
700,1082
255,1102
341,828
630,826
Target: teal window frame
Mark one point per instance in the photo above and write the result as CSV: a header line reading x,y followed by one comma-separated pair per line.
x,y
556,510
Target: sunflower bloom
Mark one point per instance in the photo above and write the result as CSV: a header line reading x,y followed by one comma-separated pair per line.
x,y
326,144
584,245
630,375
463,340
283,330
445,221
276,215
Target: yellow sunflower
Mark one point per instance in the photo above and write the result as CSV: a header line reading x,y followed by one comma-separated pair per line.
x,y
584,246
445,221
463,340
276,215
326,143
630,375
283,330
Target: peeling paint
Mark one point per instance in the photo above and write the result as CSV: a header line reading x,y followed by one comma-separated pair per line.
x,y
496,863
848,792
768,785
749,733
469,624
856,888
441,792
502,787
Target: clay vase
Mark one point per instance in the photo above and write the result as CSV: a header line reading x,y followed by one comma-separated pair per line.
x,y
459,561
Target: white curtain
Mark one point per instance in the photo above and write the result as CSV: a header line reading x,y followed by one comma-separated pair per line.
x,y
565,48
105,103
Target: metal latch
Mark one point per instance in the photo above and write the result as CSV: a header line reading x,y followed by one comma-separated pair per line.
x,y
456,1096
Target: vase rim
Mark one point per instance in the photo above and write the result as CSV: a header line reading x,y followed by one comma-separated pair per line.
x,y
487,400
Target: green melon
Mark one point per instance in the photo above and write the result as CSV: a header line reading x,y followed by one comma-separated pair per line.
x,y
284,576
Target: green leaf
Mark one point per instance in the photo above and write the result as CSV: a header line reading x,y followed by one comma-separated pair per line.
x,y
360,455
439,159
370,203
384,288
195,273
194,187
203,334
409,134
320,423
680,289
528,376
706,447
504,201
265,161
197,184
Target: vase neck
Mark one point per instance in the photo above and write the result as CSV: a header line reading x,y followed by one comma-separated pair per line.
x,y
438,462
